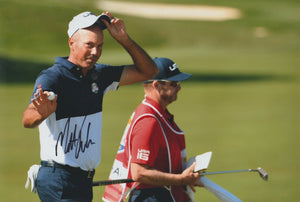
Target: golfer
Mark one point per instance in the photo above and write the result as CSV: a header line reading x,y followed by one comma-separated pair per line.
x,y
153,146
70,124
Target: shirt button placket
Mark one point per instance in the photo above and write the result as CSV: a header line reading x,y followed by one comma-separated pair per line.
x,y
78,69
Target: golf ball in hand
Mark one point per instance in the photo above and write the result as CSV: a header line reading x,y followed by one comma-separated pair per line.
x,y
51,96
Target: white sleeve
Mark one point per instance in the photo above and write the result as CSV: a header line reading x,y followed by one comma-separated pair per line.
x,y
113,86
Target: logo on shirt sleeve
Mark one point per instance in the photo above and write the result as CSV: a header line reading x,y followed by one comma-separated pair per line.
x,y
143,154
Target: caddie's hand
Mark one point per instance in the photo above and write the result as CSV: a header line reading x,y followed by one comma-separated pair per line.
x,y
189,177
43,105
116,29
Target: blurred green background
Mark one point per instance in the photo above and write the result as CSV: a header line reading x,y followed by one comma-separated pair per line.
x,y
242,102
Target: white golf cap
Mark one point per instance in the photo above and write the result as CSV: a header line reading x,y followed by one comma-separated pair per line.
x,y
86,19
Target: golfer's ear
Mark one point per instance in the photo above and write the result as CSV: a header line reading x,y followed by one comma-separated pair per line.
x,y
71,41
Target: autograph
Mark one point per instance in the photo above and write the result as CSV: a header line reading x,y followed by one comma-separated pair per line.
x,y
73,140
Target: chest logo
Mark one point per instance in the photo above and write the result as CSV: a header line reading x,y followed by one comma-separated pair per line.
x,y
95,88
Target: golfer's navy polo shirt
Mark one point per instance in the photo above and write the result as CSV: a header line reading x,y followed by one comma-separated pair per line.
x,y
77,95
72,134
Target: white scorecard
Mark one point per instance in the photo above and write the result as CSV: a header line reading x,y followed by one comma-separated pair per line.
x,y
202,161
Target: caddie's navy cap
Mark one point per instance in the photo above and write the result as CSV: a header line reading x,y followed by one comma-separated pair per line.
x,y
86,19
168,71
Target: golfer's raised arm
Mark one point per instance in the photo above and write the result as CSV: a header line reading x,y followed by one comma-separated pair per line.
x,y
144,68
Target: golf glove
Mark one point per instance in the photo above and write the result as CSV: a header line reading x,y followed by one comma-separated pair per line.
x,y
31,178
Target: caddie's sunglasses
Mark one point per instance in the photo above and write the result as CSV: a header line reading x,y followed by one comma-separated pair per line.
x,y
174,84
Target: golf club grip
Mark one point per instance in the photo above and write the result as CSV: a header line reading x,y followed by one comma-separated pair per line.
x,y
108,182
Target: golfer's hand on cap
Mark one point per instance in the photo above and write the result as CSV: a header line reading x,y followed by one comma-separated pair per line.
x,y
189,177
43,105
117,29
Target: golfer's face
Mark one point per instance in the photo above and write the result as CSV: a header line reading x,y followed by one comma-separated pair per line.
x,y
87,47
169,90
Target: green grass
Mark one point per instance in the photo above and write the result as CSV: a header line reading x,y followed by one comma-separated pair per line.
x,y
242,102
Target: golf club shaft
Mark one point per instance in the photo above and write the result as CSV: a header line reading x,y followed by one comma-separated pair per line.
x,y
262,173
119,181
227,171
108,182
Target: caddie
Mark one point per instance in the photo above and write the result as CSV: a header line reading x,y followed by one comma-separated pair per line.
x,y
152,150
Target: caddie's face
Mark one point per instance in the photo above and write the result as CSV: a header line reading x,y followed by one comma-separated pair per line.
x,y
168,90
86,47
